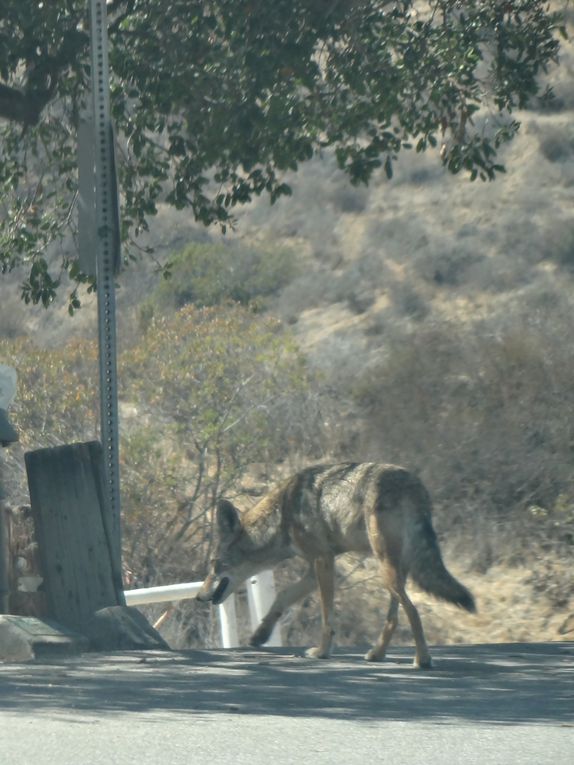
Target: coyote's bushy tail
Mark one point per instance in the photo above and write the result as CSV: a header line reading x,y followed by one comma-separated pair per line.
x,y
428,570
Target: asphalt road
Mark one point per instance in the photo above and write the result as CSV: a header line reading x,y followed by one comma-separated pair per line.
x,y
507,704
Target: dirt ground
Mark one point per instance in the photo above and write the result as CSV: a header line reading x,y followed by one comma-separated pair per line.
x,y
514,604
511,608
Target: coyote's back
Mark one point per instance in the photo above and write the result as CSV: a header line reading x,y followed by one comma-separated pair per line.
x,y
327,510
369,507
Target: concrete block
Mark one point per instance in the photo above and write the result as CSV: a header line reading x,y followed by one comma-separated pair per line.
x,y
26,638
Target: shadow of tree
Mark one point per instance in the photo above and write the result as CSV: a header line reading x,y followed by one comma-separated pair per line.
x,y
504,684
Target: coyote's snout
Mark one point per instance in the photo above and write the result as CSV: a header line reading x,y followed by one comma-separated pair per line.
x,y
322,512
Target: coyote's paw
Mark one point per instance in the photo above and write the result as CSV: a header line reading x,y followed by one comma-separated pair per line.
x,y
374,655
317,653
423,663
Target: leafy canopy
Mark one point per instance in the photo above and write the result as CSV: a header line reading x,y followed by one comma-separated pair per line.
x,y
214,100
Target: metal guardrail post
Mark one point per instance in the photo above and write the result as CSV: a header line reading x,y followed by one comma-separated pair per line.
x,y
260,596
261,591
228,623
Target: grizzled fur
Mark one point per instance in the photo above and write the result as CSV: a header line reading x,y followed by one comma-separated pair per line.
x,y
322,512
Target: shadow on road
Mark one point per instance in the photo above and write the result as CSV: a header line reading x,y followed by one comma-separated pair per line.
x,y
505,684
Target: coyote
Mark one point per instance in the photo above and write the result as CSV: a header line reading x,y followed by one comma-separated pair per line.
x,y
322,512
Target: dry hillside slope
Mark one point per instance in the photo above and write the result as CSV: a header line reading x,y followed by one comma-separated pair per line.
x,y
438,314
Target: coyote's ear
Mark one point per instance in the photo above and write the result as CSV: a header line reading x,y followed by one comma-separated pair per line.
x,y
227,516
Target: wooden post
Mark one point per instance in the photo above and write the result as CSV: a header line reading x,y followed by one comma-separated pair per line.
x,y
77,539
4,561
8,436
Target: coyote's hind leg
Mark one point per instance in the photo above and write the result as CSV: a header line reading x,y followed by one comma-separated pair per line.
x,y
379,650
394,580
422,655
325,571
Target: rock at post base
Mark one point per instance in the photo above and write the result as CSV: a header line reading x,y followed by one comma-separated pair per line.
x,y
122,628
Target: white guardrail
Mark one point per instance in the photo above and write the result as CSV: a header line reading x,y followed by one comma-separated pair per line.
x,y
260,596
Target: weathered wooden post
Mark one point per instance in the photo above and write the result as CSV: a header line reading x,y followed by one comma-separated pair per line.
x,y
79,548
7,436
4,560
75,532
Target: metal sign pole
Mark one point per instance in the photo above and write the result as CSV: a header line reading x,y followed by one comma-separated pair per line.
x,y
107,252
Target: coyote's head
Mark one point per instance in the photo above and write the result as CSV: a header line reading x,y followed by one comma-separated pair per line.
x,y
231,563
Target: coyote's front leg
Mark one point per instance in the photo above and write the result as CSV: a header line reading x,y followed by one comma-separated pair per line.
x,y
282,602
325,572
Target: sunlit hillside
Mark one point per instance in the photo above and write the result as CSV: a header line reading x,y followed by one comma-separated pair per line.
x,y
438,317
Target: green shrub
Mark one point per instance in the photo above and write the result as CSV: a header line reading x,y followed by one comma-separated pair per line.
x,y
558,242
215,390
204,395
557,143
211,274
480,411
57,400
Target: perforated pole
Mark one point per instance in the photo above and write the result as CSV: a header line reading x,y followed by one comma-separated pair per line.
x,y
107,254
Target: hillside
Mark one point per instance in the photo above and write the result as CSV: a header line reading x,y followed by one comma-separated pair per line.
x,y
438,316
